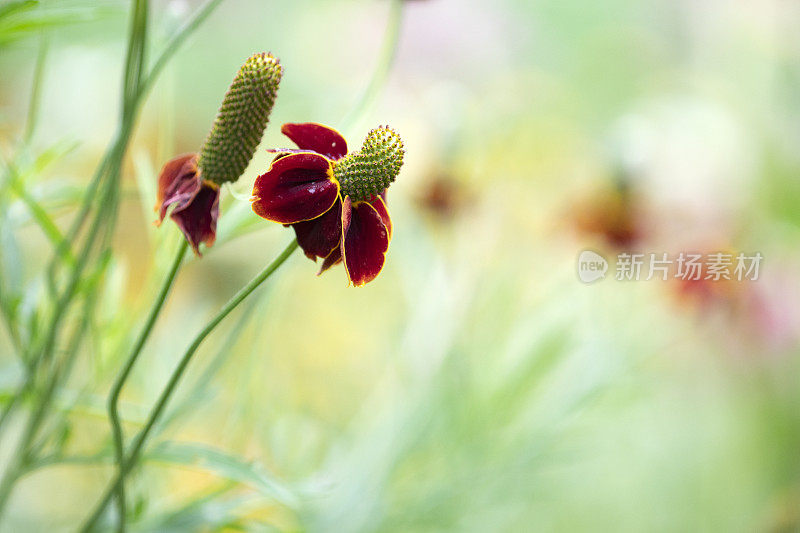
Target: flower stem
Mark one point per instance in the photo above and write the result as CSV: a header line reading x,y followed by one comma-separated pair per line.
x,y
107,162
113,397
36,90
19,461
104,183
110,167
169,389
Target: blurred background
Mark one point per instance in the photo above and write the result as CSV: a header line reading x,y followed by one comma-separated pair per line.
x,y
477,384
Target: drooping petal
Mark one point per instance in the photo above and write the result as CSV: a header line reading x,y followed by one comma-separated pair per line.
x,y
365,241
317,137
318,237
198,218
194,201
333,259
177,184
297,187
379,203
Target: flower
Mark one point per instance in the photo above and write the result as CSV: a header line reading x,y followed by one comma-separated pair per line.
x,y
195,200
190,183
334,200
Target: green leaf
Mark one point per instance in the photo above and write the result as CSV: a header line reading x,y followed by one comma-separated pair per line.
x,y
225,465
14,6
21,19
10,258
206,512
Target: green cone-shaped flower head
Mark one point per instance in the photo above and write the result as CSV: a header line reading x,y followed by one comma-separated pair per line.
x,y
241,120
372,169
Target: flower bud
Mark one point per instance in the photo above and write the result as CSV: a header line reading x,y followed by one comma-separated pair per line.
x,y
372,169
241,120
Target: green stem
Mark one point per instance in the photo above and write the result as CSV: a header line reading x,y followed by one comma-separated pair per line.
x,y
169,389
134,89
113,397
63,303
9,408
9,318
39,214
135,60
111,166
112,159
145,84
44,355
36,89
132,77
189,400
30,127
381,73
22,456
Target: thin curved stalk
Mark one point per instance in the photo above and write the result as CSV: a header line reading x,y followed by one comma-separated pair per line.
x,y
9,408
22,457
43,358
145,85
36,90
134,64
106,176
169,389
119,383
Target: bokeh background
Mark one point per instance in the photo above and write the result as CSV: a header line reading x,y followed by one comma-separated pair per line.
x,y
477,384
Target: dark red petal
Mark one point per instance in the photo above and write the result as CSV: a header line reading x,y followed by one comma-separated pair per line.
x,y
297,187
364,241
319,236
333,259
177,184
379,203
198,218
321,139
283,152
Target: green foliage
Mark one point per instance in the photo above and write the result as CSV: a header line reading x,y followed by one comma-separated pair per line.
x,y
225,465
20,19
477,386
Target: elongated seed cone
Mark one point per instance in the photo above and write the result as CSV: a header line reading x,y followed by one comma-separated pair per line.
x,y
373,168
241,120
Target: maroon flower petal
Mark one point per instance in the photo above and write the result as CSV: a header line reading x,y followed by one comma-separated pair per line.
x,y
379,203
297,187
178,184
365,241
198,219
283,152
318,237
321,139
333,259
